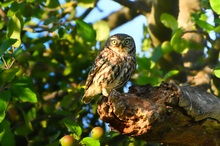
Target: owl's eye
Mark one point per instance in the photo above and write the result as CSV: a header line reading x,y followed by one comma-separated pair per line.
x,y
113,42
127,41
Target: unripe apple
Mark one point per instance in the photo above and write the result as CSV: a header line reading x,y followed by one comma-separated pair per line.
x,y
166,47
67,140
97,132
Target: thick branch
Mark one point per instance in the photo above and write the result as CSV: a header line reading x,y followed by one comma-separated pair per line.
x,y
127,13
167,114
140,6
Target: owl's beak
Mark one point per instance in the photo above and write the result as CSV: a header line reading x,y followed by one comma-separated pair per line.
x,y
120,46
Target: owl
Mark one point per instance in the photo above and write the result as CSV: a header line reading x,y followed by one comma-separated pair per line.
x,y
112,68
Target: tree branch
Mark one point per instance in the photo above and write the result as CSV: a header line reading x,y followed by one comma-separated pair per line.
x,y
168,113
127,13
140,6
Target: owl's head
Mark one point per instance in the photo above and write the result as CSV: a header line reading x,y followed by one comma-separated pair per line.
x,y
121,43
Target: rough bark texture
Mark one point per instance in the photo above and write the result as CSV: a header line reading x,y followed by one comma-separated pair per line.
x,y
168,113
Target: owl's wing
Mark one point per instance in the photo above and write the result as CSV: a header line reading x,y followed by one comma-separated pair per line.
x,y
99,61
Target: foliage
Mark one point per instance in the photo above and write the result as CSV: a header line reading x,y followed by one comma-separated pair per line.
x,y
46,53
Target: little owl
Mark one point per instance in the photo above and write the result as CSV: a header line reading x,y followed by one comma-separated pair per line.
x,y
112,67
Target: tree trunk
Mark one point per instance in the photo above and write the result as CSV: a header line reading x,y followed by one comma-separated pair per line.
x,y
169,114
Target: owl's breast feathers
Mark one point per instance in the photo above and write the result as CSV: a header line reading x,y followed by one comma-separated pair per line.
x,y
114,69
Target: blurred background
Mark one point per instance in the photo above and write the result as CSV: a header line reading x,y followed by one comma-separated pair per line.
x,y
48,47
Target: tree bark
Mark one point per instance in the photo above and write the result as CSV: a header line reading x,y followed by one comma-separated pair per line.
x,y
169,114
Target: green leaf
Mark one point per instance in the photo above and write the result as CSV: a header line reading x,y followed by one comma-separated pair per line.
x,y
215,4
170,74
100,27
85,31
204,24
7,135
179,44
6,3
217,29
52,3
32,114
8,75
14,29
169,21
73,127
61,32
217,73
143,63
15,6
4,99
86,3
176,36
157,54
88,141
39,46
6,44
26,128
25,94
23,81
50,20
23,130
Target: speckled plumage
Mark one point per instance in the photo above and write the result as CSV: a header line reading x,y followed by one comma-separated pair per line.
x,y
112,67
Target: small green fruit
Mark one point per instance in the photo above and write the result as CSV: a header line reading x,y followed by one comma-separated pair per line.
x,y
97,132
67,140
166,47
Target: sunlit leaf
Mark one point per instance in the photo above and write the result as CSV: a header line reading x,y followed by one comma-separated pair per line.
x,y
73,127
146,44
88,141
215,4
176,36
178,44
14,29
86,3
217,73
24,94
171,73
4,99
85,31
100,27
32,114
67,70
169,21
